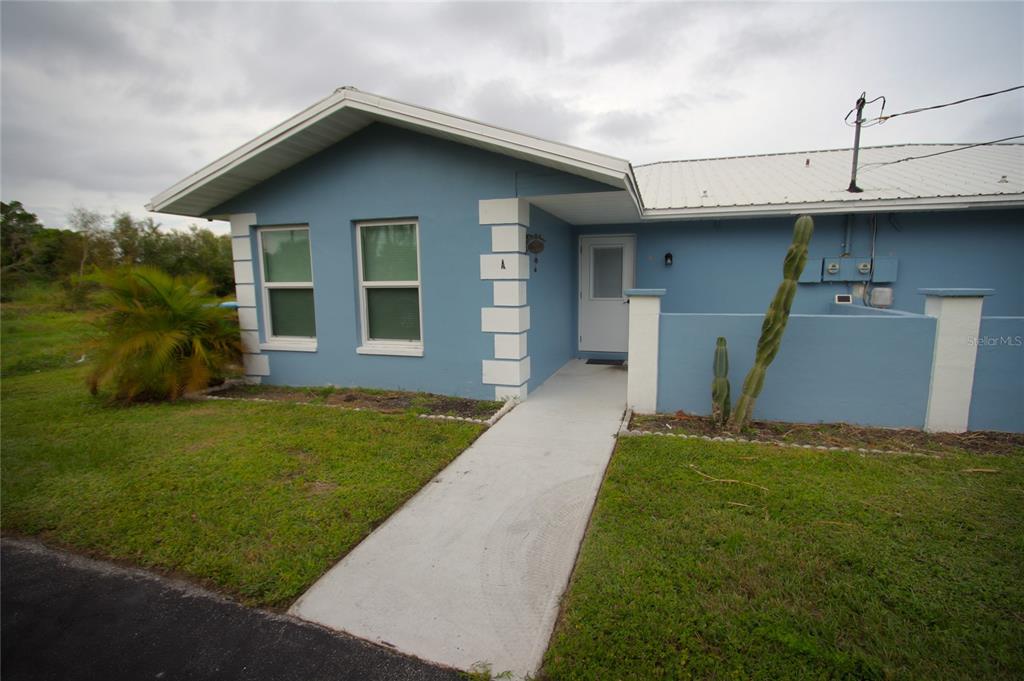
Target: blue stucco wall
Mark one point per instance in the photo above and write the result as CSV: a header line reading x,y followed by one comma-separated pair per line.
x,y
386,172
869,370
839,365
998,399
858,310
552,296
735,265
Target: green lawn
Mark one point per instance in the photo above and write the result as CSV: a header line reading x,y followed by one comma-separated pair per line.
x,y
36,338
252,498
846,567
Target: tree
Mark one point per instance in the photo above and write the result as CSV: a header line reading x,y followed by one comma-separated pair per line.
x,y
31,250
17,229
127,239
94,241
197,251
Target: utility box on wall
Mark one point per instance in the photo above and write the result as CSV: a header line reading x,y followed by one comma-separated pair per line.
x,y
846,269
885,270
858,269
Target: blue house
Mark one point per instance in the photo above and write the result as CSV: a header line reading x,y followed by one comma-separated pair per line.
x,y
377,243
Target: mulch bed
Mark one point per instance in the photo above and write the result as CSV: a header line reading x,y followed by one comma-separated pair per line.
x,y
840,435
387,401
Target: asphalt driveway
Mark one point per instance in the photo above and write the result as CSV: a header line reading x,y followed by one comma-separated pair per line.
x,y
67,617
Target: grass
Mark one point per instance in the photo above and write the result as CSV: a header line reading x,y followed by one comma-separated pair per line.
x,y
38,336
252,498
846,567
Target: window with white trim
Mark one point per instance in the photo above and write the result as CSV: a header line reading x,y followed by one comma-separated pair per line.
x,y
389,287
287,283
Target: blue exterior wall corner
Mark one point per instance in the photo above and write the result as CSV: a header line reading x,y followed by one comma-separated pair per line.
x,y
384,172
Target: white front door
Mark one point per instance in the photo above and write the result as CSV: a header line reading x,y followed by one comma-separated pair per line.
x,y
607,266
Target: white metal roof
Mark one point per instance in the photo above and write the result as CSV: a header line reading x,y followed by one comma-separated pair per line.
x,y
347,111
742,186
817,181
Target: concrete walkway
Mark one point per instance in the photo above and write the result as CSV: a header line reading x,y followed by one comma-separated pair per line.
x,y
473,567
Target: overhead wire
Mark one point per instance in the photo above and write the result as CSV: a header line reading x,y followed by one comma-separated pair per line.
x,y
881,118
881,111
938,153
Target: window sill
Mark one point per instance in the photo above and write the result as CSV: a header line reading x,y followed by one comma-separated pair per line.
x,y
290,345
397,349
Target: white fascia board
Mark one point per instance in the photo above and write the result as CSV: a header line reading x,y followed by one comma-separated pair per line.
x,y
616,168
609,169
858,206
278,133
633,189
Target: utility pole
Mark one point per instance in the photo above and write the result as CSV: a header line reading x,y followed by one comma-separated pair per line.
x,y
856,143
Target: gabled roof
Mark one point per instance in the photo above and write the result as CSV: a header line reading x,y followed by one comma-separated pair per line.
x,y
347,111
816,181
741,186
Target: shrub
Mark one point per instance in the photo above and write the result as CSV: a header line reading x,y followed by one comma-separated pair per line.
x,y
161,336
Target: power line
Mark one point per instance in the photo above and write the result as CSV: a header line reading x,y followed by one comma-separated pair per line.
x,y
939,153
882,118
881,111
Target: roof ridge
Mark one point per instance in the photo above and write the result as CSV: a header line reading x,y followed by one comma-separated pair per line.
x,y
825,151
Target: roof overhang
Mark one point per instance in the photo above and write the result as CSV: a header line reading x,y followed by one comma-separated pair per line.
x,y
592,208
347,111
841,207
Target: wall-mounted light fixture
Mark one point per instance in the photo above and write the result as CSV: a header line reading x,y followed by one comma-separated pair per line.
x,y
535,246
668,260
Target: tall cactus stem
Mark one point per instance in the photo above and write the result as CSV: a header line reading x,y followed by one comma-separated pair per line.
x,y
721,403
774,321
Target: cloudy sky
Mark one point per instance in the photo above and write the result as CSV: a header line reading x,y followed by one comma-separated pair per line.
x,y
105,105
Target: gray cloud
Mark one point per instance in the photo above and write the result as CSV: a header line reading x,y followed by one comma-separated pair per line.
x,y
1004,120
504,103
759,39
510,27
106,104
645,33
626,125
76,39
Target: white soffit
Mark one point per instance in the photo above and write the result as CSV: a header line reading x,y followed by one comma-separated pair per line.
x,y
596,208
349,110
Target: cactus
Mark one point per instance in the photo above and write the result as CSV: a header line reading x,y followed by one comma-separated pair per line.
x,y
721,403
774,321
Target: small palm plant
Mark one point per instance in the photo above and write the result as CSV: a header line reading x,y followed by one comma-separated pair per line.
x,y
161,336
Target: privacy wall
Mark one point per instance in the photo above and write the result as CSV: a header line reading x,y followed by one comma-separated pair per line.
x,y
998,400
862,369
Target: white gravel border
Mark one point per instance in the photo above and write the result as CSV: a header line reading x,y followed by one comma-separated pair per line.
x,y
625,431
506,408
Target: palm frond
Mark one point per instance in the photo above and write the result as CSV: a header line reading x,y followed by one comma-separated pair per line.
x,y
162,336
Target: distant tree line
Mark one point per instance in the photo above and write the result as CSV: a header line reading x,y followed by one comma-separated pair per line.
x,y
31,252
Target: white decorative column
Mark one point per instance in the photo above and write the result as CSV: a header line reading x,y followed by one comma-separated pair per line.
x,y
508,267
644,326
957,313
256,364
